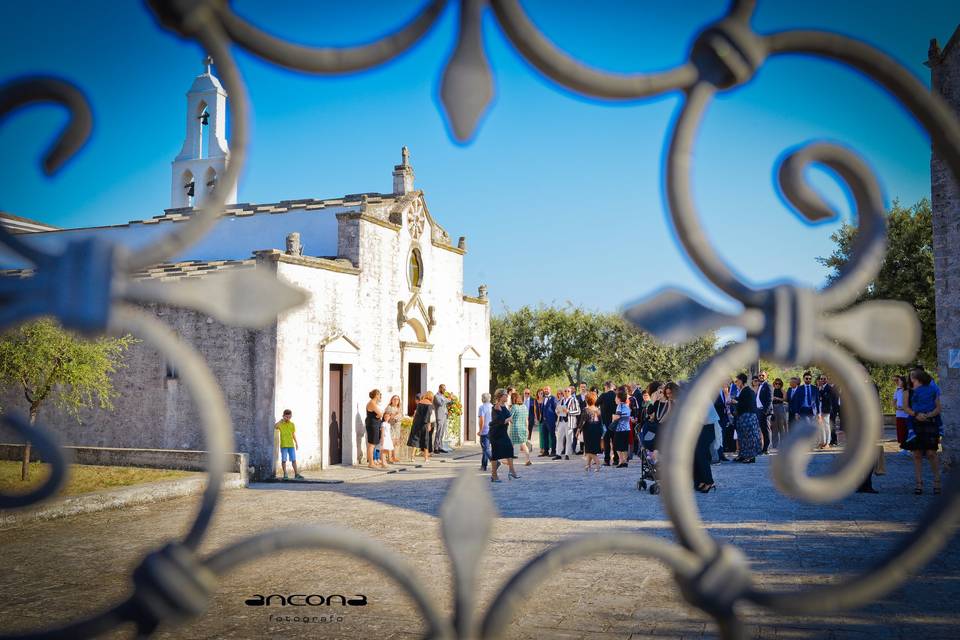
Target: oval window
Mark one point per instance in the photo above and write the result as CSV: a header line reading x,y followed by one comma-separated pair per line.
x,y
415,269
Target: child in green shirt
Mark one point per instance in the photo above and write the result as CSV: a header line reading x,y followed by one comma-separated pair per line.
x,y
288,444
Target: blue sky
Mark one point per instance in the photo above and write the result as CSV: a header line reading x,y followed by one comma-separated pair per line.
x,y
560,197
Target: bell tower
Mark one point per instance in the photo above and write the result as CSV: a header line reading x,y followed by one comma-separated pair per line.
x,y
203,159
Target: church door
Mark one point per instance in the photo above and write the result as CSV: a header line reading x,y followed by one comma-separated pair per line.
x,y
415,384
335,432
469,411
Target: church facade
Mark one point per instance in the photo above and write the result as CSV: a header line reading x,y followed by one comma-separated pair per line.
x,y
387,310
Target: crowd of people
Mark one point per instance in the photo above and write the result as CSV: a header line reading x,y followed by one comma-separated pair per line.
x,y
428,431
748,418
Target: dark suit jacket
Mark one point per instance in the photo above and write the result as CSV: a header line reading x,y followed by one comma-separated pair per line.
x,y
790,414
796,401
766,396
827,399
550,411
608,406
721,408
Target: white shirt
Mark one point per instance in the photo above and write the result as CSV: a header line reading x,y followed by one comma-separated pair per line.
x,y
898,403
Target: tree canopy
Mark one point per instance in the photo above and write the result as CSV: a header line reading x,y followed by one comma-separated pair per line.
x,y
531,345
48,364
906,274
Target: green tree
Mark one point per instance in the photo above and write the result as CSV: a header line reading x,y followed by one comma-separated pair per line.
x,y
518,352
51,365
906,274
574,340
532,346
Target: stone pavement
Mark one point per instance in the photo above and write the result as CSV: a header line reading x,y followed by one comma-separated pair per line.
x,y
57,571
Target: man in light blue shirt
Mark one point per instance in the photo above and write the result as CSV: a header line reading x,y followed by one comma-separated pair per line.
x,y
484,415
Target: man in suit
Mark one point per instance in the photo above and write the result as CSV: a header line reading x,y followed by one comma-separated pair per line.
x,y
791,416
528,402
727,442
608,406
827,412
440,402
550,422
765,405
805,401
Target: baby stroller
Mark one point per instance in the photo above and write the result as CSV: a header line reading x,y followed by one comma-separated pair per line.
x,y
648,464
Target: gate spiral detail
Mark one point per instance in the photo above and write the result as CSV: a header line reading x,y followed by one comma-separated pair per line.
x,y
88,288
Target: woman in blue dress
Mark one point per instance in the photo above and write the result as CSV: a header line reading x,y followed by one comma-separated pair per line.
x,y
923,436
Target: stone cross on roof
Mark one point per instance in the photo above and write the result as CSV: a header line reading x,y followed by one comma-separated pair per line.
x,y
405,155
207,63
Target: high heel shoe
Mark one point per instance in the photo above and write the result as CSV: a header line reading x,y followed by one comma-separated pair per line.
x,y
513,475
492,479
707,488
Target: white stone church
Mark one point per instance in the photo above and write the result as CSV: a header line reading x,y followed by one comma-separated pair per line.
x,y
387,310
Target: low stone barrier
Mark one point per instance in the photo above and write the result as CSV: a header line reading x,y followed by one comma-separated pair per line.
x,y
182,459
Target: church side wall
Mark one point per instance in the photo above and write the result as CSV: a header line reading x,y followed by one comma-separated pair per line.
x,y
155,411
945,204
333,308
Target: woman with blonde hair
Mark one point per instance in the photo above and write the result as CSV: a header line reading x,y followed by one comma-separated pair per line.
x,y
391,430
518,427
420,431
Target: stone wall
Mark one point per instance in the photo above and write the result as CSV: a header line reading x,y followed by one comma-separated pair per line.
x,y
154,411
945,200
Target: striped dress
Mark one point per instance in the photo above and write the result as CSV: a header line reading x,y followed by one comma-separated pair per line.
x,y
518,428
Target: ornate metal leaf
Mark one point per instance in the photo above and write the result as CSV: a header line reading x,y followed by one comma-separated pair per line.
x,y
467,87
673,316
879,330
466,517
244,298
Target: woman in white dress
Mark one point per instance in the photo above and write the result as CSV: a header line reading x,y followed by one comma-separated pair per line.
x,y
391,429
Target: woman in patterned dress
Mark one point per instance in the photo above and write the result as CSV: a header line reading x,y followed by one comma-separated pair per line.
x,y
518,427
748,428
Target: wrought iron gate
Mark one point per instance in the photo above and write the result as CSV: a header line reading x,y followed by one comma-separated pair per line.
x,y
87,287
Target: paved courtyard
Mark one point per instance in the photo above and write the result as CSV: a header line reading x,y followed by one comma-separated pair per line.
x,y
56,571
